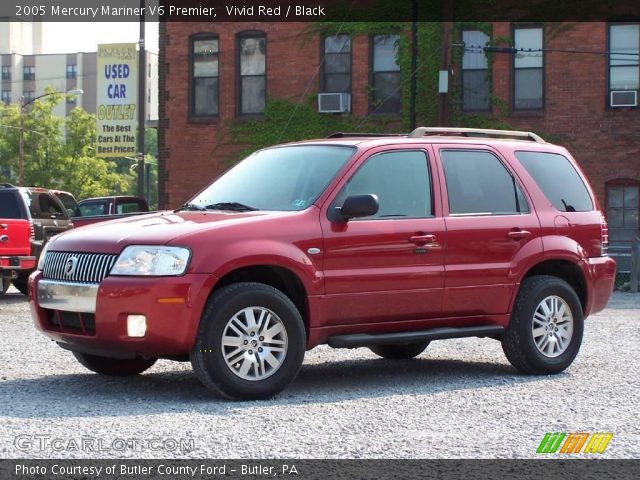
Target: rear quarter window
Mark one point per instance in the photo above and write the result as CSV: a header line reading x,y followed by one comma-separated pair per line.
x,y
558,179
9,207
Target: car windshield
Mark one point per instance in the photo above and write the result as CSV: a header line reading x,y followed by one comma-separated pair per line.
x,y
283,178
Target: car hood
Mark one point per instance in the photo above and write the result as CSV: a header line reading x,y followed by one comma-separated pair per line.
x,y
152,229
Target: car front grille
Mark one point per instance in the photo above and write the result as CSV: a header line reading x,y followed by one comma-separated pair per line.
x,y
78,267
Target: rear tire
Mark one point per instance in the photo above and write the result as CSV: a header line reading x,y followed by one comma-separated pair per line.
x,y
6,283
21,285
545,331
114,367
251,342
402,351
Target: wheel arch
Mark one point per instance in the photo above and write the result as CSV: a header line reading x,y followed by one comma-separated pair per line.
x,y
566,270
276,276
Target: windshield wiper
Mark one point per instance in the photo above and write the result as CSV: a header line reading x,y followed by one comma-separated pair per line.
x,y
232,206
190,206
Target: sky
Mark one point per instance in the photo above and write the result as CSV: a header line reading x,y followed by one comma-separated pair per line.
x,y
69,37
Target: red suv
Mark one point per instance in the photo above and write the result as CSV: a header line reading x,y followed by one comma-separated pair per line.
x,y
386,242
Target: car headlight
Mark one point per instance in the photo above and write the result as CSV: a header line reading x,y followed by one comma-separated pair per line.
x,y
152,260
43,254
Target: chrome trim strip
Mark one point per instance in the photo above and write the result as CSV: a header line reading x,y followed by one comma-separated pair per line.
x,y
71,297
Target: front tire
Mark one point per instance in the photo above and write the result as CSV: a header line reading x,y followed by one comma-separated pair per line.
x,y
403,351
114,367
251,342
545,331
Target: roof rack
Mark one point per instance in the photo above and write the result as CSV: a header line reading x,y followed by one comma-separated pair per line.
x,y
7,185
476,132
345,134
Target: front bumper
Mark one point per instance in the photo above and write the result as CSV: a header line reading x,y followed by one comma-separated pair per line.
x,y
93,318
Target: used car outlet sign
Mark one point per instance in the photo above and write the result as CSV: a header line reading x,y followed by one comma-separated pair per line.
x,y
117,97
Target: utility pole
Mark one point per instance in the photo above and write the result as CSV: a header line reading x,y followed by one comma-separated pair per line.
x,y
142,101
414,65
445,65
21,143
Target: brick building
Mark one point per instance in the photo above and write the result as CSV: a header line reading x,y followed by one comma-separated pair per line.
x,y
216,75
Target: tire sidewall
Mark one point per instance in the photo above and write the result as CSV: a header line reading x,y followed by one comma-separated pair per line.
x,y
536,358
209,345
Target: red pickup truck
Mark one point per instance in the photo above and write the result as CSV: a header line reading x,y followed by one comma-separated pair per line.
x,y
100,209
386,242
28,218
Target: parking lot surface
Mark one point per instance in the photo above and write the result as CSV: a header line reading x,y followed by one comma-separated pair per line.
x,y
459,399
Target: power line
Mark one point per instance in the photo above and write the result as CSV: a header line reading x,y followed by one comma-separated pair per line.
x,y
484,48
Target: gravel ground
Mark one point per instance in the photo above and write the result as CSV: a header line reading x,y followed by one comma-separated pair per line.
x,y
459,399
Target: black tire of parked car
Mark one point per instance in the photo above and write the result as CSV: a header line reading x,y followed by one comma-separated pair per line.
x,y
207,356
403,351
114,367
22,285
518,343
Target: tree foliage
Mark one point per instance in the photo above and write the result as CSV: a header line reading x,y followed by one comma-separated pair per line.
x,y
58,152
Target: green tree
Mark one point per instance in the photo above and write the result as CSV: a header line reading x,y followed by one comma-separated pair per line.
x,y
58,152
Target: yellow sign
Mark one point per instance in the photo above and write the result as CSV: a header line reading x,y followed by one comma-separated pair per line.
x,y
117,96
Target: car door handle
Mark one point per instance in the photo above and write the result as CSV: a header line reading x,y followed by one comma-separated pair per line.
x,y
422,239
518,234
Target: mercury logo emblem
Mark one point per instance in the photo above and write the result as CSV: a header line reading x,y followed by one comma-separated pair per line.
x,y
70,266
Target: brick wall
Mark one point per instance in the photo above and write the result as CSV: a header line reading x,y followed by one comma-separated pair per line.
x,y
605,141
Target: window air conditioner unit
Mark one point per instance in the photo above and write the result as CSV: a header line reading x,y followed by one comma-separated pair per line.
x,y
334,102
624,98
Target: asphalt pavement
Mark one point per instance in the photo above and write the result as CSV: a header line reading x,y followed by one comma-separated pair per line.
x,y
459,399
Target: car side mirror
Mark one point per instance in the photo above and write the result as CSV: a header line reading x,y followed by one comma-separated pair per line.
x,y
357,206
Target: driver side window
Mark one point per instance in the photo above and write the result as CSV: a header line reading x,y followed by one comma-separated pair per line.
x,y
399,179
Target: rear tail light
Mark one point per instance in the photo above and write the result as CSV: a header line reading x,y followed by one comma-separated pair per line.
x,y
32,231
604,237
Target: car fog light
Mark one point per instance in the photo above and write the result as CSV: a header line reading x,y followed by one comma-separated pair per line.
x,y
136,325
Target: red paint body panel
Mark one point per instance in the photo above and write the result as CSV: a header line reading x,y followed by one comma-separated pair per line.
x,y
359,276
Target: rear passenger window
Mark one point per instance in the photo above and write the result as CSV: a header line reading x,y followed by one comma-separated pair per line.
x,y
559,181
9,207
479,184
46,206
90,209
399,179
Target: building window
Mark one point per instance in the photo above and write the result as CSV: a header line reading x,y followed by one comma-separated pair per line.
x,y
204,76
72,71
475,78
623,204
29,95
385,77
528,66
29,73
252,56
624,72
6,72
336,65
6,96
